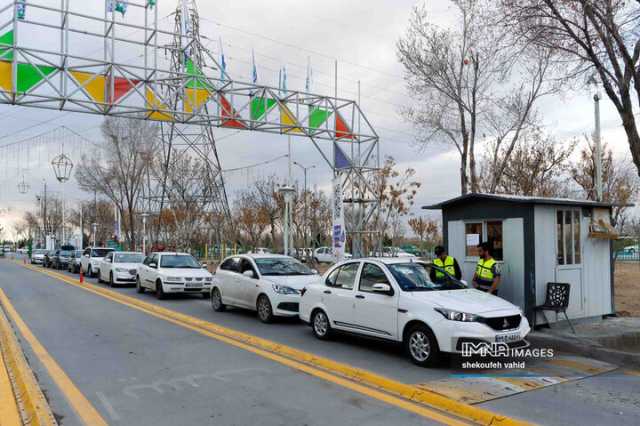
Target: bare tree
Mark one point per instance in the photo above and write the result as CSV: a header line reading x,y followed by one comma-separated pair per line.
x,y
461,80
589,38
536,166
427,230
119,174
621,186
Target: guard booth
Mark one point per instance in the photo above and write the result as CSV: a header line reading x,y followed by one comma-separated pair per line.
x,y
536,241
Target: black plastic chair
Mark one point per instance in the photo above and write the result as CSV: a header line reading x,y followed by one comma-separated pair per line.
x,y
557,300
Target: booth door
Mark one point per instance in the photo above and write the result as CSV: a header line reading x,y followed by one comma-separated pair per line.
x,y
512,287
569,257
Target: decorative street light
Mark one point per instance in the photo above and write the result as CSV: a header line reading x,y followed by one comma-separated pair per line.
x,y
62,167
287,193
23,187
144,215
306,223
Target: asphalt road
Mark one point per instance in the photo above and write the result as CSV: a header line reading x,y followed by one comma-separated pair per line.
x,y
138,369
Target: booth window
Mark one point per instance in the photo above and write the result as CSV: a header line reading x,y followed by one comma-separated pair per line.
x,y
568,237
487,231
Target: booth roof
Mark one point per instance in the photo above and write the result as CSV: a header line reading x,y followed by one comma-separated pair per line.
x,y
517,199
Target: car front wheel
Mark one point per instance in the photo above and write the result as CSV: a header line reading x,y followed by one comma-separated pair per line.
x,y
159,291
265,311
216,301
139,287
321,325
421,346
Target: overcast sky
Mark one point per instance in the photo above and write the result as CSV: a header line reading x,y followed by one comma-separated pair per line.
x,y
360,34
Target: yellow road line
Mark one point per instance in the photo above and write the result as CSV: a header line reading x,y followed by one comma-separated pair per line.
x,y
582,367
321,367
77,400
9,411
21,395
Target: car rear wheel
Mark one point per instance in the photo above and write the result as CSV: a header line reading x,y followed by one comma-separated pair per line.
x,y
320,325
139,287
265,311
216,301
159,291
421,346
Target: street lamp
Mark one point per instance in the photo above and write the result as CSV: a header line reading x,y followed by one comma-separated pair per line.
x,y
144,233
306,225
94,231
592,82
62,167
23,187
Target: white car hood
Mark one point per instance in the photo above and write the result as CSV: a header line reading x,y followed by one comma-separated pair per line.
x,y
294,281
126,265
185,272
470,301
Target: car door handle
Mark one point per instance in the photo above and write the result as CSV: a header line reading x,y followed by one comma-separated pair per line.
x,y
359,296
327,292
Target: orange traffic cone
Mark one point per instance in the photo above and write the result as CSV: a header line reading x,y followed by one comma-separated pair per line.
x,y
81,277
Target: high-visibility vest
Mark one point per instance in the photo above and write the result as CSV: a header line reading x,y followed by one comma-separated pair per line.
x,y
484,270
447,265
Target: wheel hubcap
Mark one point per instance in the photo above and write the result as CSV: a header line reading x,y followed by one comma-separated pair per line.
x,y
320,324
215,300
263,309
419,346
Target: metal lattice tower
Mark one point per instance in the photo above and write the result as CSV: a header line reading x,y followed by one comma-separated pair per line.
x,y
187,58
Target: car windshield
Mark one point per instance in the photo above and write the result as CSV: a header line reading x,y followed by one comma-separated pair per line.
x,y
65,253
416,277
100,252
178,261
128,258
281,266
39,251
78,253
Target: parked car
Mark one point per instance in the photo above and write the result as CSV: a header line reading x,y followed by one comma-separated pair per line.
x,y
91,257
270,284
411,249
74,262
173,273
37,256
120,267
394,299
47,262
61,259
325,255
261,250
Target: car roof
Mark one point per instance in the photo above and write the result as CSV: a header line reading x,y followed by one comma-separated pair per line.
x,y
127,252
172,253
388,260
264,256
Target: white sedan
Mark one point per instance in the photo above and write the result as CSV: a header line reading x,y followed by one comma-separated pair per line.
x,y
119,267
270,284
400,300
165,273
325,255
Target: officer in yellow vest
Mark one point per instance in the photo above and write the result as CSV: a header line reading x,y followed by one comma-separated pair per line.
x,y
487,276
445,262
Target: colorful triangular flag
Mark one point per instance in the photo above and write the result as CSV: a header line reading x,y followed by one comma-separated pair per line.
x,y
340,159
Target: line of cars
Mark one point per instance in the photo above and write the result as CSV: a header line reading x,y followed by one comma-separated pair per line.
x,y
391,298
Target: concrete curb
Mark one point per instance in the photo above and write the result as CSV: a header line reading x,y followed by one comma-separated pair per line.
x,y
585,347
34,408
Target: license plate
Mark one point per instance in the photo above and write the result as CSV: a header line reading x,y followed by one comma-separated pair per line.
x,y
194,285
508,338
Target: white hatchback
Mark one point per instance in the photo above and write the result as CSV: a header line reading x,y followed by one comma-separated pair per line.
x,y
267,283
401,300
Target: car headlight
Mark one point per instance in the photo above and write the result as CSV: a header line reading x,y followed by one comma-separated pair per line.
x,y
208,279
452,315
283,289
174,278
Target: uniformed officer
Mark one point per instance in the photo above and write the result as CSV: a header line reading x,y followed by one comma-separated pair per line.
x,y
445,262
487,276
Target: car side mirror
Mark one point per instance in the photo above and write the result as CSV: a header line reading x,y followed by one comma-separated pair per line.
x,y
153,265
203,265
249,274
382,288
315,271
464,282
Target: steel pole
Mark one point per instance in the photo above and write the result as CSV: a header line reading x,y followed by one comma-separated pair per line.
x,y
598,149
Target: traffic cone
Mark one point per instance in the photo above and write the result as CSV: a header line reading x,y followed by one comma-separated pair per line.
x,y
81,277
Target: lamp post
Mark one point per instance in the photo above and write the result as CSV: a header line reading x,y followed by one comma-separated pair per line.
x,y
597,138
94,231
144,233
306,224
62,167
